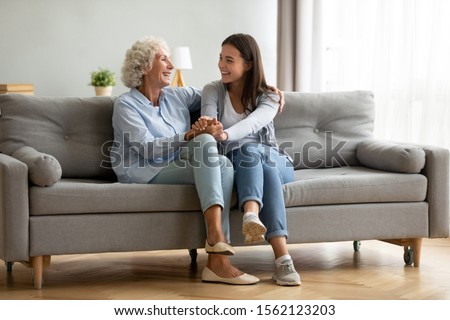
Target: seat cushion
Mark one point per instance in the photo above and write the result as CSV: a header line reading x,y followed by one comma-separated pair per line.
x,y
353,185
311,187
70,196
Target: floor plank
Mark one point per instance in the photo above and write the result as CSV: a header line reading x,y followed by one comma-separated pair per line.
x,y
328,271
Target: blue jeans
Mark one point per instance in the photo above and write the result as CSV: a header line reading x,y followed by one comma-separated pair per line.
x,y
260,172
201,164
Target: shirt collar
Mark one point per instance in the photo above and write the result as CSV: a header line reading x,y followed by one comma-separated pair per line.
x,y
135,93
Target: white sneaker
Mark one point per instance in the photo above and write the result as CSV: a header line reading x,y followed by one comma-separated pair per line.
x,y
286,275
253,228
252,240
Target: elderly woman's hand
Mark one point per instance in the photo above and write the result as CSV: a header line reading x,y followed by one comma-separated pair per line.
x,y
201,123
205,124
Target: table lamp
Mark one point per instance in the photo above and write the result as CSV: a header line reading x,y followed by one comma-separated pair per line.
x,y
181,59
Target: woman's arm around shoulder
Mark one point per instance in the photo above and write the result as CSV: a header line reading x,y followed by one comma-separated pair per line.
x,y
264,113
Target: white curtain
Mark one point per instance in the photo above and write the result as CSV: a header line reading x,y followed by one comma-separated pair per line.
x,y
399,49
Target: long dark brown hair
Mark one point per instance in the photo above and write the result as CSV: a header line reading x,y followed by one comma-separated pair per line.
x,y
255,81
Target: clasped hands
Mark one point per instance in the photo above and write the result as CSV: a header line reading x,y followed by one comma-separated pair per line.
x,y
209,125
214,127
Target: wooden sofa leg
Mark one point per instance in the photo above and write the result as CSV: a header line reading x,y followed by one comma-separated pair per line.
x,y
412,249
38,263
417,249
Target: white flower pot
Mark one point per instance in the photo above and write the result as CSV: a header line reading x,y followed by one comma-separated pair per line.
x,y
103,91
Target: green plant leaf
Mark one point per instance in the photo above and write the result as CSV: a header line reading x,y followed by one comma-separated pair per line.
x,y
102,78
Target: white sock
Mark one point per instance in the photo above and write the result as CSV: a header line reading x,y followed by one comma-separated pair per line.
x,y
248,213
281,259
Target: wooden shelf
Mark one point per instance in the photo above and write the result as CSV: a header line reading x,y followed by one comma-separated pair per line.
x,y
17,88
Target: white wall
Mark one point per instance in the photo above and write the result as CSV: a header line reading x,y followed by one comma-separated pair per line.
x,y
55,44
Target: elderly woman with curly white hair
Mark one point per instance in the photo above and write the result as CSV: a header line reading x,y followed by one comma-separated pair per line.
x,y
154,143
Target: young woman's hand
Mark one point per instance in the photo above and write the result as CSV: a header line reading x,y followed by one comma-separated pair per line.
x,y
281,95
214,128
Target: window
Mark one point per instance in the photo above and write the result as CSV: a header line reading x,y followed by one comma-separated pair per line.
x,y
399,49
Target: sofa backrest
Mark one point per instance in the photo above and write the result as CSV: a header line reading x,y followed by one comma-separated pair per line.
x,y
76,131
317,129
322,129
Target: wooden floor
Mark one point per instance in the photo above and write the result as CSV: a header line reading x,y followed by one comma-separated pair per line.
x,y
328,271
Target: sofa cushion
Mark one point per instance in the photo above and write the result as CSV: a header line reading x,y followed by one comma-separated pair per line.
x,y
70,196
311,187
43,169
391,156
322,130
76,131
353,185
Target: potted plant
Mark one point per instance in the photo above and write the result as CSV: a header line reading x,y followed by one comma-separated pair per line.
x,y
103,80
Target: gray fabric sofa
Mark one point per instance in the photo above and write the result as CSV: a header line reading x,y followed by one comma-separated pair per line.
x,y
347,185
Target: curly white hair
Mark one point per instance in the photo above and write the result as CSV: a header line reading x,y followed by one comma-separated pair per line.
x,y
139,58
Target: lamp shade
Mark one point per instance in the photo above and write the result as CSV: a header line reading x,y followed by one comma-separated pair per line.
x,y
181,58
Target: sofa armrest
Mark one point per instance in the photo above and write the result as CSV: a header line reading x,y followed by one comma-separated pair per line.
x,y
437,172
14,210
431,161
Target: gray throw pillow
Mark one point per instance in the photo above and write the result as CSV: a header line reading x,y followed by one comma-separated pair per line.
x,y
389,156
43,169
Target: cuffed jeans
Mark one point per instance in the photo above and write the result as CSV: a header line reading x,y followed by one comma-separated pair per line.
x,y
201,164
260,172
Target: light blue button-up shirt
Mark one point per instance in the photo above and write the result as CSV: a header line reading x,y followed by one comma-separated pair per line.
x,y
148,138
